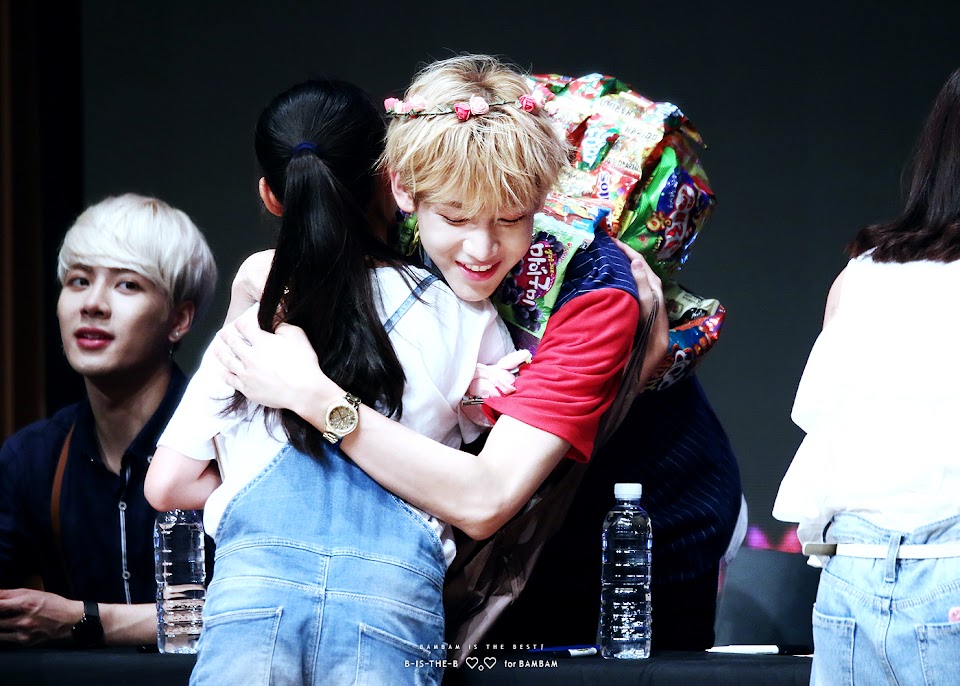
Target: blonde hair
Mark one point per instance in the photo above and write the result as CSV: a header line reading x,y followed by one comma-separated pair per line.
x,y
506,158
146,236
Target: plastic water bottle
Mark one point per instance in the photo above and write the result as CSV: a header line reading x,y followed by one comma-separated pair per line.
x,y
178,550
625,613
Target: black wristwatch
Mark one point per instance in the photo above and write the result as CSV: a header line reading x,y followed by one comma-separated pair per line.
x,y
88,632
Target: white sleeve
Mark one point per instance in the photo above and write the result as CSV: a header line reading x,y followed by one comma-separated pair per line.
x,y
198,418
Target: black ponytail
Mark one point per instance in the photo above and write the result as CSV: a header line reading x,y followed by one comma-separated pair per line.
x,y
317,145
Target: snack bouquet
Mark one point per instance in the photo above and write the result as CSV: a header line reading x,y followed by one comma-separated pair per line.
x,y
636,174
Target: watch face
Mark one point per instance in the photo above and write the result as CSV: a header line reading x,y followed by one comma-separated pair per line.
x,y
342,418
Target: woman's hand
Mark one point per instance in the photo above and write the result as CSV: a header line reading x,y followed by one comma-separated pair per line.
x,y
248,284
273,369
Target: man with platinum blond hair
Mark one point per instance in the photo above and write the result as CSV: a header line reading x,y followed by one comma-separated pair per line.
x,y
76,533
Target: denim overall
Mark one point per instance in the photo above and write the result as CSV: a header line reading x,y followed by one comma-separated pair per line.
x,y
888,620
323,577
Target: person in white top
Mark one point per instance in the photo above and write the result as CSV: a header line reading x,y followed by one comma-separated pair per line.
x,y
321,575
875,484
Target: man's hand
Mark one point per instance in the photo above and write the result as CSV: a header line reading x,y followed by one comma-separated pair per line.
x,y
29,617
650,290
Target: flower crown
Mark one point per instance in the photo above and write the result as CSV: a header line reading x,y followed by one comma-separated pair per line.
x,y
417,106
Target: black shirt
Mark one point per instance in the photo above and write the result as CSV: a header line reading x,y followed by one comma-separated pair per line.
x,y
106,523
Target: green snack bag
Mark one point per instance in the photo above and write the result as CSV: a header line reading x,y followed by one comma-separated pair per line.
x,y
637,234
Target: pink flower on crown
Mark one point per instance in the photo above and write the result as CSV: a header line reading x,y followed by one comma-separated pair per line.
x,y
389,104
404,107
478,105
463,110
528,103
417,103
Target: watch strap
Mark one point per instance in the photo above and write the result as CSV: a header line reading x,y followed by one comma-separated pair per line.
x,y
88,632
91,609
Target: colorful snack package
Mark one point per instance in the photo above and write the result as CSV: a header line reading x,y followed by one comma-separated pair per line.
x,y
583,213
594,86
574,101
695,325
681,210
598,137
573,183
667,216
570,115
639,159
637,174
526,297
643,125
684,307
615,185
555,83
608,184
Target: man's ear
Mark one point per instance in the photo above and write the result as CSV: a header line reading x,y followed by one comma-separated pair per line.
x,y
401,194
269,199
182,320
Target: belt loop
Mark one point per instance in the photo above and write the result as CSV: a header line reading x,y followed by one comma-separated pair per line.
x,y
826,527
891,562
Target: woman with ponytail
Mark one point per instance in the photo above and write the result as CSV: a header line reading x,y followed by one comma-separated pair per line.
x,y
321,575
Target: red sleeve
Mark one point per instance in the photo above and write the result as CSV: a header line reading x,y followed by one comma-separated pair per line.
x,y
577,369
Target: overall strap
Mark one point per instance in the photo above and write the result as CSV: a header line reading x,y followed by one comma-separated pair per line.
x,y
55,496
58,487
408,303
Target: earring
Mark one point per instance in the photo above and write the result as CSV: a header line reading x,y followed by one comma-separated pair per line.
x,y
408,238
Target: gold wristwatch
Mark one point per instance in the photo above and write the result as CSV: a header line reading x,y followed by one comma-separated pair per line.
x,y
342,418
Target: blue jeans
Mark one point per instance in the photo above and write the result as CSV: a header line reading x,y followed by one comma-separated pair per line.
x,y
322,577
886,621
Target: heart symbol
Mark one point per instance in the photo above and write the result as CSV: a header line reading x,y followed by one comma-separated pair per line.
x,y
489,662
472,662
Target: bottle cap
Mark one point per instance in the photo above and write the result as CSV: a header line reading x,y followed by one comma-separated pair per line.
x,y
627,491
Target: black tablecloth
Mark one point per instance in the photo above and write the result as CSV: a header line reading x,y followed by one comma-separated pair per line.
x,y
129,666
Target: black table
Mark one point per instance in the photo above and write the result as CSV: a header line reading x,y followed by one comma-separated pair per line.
x,y
129,666
661,669
93,667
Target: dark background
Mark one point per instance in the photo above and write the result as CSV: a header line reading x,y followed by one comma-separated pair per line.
x,y
809,113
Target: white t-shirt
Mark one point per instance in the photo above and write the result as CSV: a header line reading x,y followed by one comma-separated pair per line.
x,y
879,404
439,342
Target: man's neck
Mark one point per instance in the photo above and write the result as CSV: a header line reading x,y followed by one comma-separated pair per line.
x,y
121,408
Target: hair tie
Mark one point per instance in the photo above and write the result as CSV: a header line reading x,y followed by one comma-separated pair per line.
x,y
305,146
